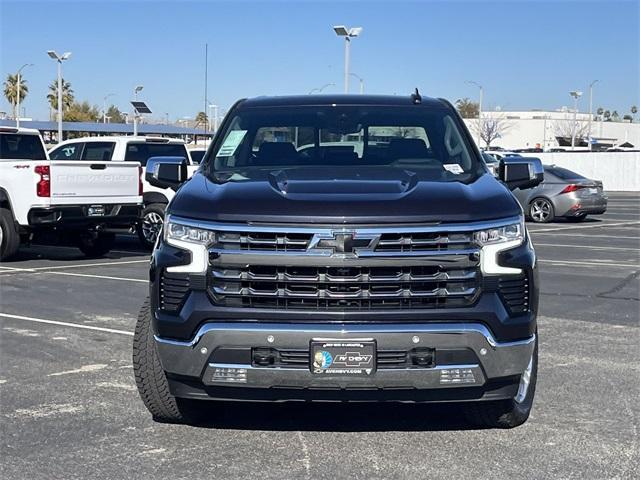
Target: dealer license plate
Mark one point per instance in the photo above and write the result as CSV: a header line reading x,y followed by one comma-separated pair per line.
x,y
343,357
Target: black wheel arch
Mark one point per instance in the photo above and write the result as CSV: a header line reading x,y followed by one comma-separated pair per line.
x,y
5,201
154,197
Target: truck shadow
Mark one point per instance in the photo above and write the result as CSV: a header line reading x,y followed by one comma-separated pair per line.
x,y
334,417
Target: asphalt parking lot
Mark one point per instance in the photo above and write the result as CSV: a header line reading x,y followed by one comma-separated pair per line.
x,y
70,409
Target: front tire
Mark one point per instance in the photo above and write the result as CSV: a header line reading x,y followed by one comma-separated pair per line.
x,y
512,412
150,224
541,211
9,238
151,379
95,245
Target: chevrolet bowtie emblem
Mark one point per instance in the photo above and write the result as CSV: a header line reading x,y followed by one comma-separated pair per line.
x,y
343,243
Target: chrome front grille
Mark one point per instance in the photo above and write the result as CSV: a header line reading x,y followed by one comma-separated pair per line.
x,y
343,268
264,241
348,288
423,241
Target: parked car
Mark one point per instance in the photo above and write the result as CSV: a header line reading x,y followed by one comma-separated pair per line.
x,y
500,154
402,273
197,154
131,149
85,201
563,193
491,162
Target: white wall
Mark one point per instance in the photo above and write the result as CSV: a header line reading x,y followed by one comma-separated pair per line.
x,y
530,132
619,171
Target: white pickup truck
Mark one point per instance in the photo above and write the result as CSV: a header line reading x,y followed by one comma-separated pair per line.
x,y
86,202
123,149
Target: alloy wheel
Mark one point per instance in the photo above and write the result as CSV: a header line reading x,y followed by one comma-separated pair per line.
x,y
540,210
151,226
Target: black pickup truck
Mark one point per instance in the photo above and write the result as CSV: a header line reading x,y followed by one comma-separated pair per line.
x,y
337,248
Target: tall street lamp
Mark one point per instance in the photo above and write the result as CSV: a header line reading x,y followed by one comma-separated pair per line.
x,y
59,59
135,112
576,95
471,82
18,85
361,81
104,106
348,34
591,110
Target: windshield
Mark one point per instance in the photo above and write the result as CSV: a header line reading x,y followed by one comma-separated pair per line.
x,y
406,138
21,147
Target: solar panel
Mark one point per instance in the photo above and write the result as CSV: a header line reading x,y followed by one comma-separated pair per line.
x,y
141,107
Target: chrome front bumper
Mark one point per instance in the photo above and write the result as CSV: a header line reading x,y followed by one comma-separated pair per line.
x,y
495,360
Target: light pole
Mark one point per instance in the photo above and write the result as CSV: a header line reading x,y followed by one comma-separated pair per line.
x,y
319,90
348,34
135,111
576,95
18,84
591,110
361,81
104,106
214,116
471,82
59,59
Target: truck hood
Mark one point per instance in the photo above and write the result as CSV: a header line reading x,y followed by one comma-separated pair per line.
x,y
342,196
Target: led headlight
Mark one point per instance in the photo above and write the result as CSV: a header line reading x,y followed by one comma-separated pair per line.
x,y
195,240
495,240
177,231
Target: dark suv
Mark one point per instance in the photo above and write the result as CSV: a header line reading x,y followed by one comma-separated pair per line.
x,y
342,248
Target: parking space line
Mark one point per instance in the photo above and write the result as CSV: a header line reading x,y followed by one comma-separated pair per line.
x,y
535,244
98,276
590,264
65,324
77,265
599,225
611,237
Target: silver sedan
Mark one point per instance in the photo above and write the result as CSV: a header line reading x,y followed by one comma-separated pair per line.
x,y
563,193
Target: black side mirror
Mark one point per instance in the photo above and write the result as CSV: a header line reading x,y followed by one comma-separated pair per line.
x,y
521,172
166,172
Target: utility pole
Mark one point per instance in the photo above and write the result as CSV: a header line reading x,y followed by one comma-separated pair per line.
x,y
471,82
591,110
18,85
576,95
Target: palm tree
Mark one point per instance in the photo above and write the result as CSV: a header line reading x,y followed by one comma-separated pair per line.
x,y
615,116
607,115
11,90
67,95
634,110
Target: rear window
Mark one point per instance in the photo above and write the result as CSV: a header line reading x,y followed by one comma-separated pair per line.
x,y
99,151
141,152
196,155
563,173
71,151
21,147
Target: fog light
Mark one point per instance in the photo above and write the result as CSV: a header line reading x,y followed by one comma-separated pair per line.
x,y
229,375
457,376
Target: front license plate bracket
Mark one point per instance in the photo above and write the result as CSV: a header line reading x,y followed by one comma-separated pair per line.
x,y
342,357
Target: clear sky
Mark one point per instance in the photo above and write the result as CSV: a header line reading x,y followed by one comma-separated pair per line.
x,y
527,54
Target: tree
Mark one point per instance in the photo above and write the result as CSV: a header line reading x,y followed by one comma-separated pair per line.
x,y
115,115
490,128
634,110
563,130
11,90
615,116
67,95
81,112
606,115
201,119
467,108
